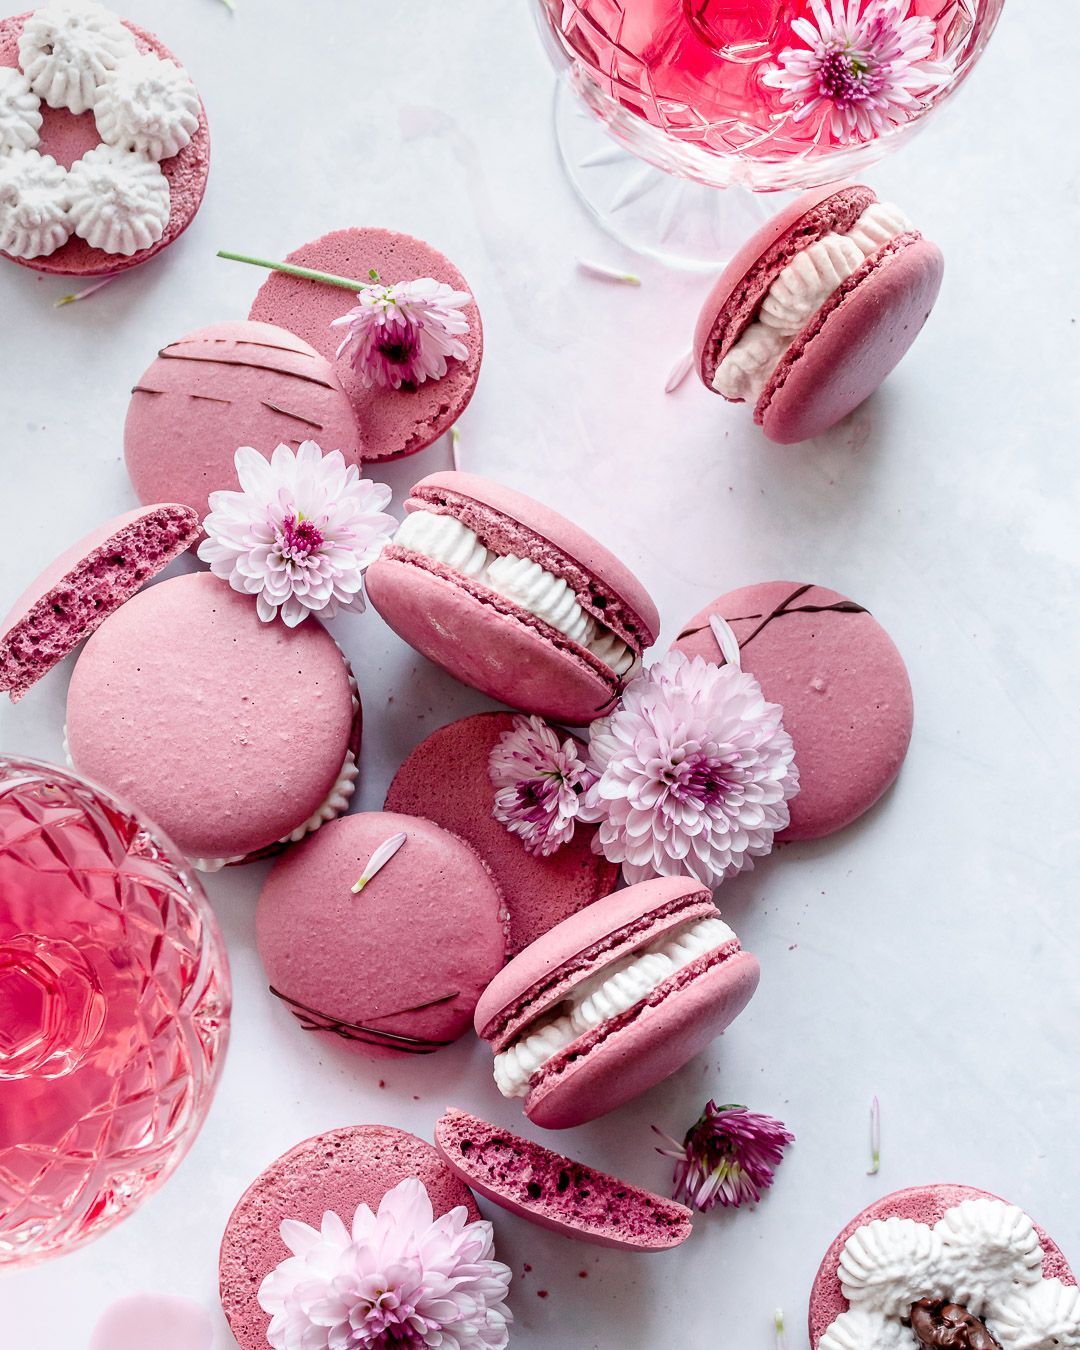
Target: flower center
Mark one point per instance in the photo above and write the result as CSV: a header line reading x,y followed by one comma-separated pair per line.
x,y
696,779
299,538
842,77
398,342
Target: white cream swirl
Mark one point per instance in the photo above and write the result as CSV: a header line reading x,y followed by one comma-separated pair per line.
x,y
992,1251
863,1330
147,104
1045,1317
614,989
883,1261
68,47
797,294
20,112
119,200
34,204
526,584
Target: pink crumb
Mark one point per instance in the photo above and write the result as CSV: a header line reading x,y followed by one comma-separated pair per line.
x,y
541,1293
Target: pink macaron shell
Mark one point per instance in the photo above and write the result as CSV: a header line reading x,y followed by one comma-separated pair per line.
x,y
227,732
923,1204
488,643
392,423
842,685
221,387
557,1192
67,137
336,1172
860,335
407,957
446,779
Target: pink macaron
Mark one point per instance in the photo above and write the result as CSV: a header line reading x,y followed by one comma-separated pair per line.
x,y
381,930
392,422
446,779
556,1192
947,1266
816,309
613,1000
513,599
222,387
84,585
333,1173
841,682
67,136
235,736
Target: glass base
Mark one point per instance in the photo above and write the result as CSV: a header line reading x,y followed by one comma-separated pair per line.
x,y
680,222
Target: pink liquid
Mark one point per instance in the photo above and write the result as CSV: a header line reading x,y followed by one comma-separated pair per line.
x,y
693,68
113,1009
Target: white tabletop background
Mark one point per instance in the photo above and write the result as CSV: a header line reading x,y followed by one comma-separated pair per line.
x,y
929,953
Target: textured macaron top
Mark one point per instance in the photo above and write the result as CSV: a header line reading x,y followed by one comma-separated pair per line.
x,y
537,980
508,521
78,590
557,1192
226,731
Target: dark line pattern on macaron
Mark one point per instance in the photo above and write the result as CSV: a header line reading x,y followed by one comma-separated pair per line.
x,y
142,389
311,1019
785,607
209,398
167,355
295,416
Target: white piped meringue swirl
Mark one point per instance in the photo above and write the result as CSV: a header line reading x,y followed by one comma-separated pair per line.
x,y
1045,1317
34,204
614,989
20,112
68,47
797,294
863,1330
519,580
884,1260
119,200
148,104
992,1252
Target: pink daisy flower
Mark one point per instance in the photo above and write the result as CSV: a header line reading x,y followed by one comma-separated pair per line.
x,y
539,782
404,334
727,1157
864,67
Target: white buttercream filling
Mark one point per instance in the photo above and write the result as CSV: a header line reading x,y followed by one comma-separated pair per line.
x,y
34,204
120,200
20,112
611,991
812,276
67,49
147,104
444,539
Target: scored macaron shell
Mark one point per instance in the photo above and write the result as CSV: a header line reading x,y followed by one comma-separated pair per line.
x,y
446,779
622,1058
487,641
393,422
857,336
922,1204
335,1172
398,967
221,387
841,682
557,1192
67,136
84,585
229,733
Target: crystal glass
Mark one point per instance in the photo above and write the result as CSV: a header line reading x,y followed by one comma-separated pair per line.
x,y
682,87
114,1009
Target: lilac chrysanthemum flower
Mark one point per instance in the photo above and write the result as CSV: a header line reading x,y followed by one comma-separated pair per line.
x,y
300,532
864,66
693,773
539,782
404,334
398,1278
727,1157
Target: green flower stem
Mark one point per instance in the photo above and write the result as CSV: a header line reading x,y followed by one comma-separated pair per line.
x,y
305,273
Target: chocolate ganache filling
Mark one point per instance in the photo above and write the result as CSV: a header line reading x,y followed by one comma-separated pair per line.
x,y
948,1326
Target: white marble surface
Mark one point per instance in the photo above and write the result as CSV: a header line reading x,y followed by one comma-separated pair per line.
x,y
930,952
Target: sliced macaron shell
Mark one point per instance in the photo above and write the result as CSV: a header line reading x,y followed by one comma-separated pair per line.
x,y
397,968
227,732
625,1055
67,137
393,422
487,641
556,1192
841,682
225,386
84,585
446,779
334,1172
854,340
922,1204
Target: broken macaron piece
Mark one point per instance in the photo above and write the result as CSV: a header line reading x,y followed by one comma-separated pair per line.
x,y
816,309
556,1192
84,585
613,1000
512,598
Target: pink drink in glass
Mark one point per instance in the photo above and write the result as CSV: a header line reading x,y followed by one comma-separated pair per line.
x,y
114,1003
